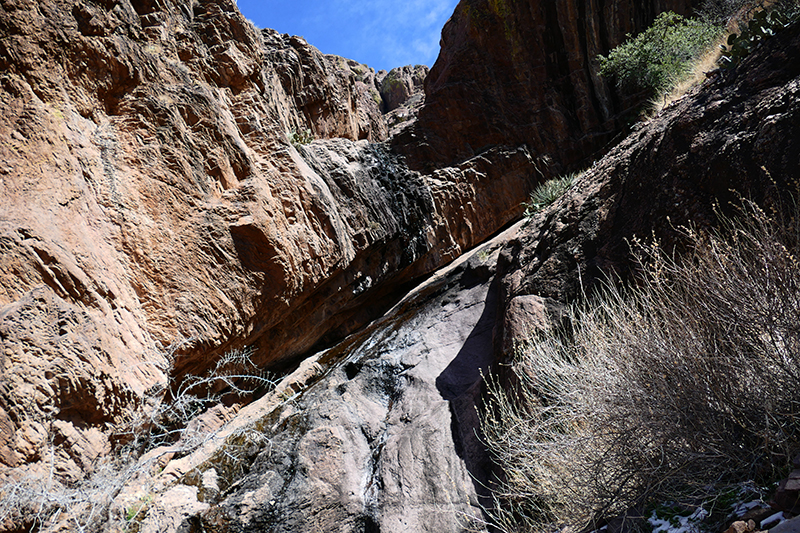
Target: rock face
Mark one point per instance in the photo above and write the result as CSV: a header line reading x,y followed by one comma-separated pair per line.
x,y
336,96
403,96
735,136
513,73
155,213
400,84
379,432
386,440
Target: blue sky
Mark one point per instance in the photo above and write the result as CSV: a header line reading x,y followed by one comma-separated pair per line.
x,y
381,33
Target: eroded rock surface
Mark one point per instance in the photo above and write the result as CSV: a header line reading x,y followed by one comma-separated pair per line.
x,y
386,441
737,136
156,213
376,434
380,435
153,198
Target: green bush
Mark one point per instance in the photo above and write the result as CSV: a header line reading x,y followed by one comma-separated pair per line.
x,y
548,192
656,393
659,57
303,136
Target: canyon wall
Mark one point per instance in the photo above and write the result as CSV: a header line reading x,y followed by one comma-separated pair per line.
x,y
159,208
513,73
177,183
381,432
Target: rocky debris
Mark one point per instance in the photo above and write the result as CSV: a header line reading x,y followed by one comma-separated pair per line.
x,y
760,512
513,73
742,526
787,496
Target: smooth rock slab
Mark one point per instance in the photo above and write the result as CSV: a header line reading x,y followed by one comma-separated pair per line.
x,y
385,441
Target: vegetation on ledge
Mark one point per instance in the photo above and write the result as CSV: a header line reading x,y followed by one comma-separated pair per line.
x,y
671,390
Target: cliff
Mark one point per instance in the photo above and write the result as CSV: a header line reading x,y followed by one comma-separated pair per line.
x,y
380,433
513,73
156,213
161,208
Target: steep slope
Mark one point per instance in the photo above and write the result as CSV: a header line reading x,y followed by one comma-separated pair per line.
x,y
373,420
734,137
379,432
382,437
157,214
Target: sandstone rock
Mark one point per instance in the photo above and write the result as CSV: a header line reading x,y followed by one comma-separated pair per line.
x,y
741,526
155,214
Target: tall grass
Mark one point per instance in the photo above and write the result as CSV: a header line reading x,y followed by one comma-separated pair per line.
x,y
548,192
688,381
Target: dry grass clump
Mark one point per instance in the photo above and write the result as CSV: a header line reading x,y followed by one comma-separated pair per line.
x,y
165,424
697,74
657,393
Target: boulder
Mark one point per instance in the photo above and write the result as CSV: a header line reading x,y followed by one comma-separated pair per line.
x,y
400,84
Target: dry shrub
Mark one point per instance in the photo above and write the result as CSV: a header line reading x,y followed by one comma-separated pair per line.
x,y
686,382
699,70
165,422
